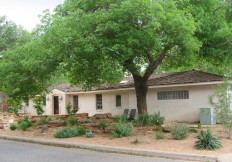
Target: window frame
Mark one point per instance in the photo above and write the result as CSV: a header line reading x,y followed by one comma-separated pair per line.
x,y
76,102
173,95
99,103
118,99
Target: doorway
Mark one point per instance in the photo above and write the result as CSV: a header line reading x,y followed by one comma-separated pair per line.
x,y
56,105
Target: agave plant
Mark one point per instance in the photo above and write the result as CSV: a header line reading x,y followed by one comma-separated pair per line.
x,y
89,134
206,140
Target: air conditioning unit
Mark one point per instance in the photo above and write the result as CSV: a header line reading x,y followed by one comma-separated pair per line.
x,y
207,116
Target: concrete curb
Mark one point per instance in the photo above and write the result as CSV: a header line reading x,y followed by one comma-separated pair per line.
x,y
171,155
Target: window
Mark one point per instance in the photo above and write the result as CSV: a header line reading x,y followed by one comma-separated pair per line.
x,y
75,102
99,101
118,100
173,95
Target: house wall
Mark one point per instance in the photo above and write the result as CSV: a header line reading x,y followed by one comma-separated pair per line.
x,y
172,110
30,108
50,102
87,102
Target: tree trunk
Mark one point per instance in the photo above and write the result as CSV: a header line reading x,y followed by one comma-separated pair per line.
x,y
141,89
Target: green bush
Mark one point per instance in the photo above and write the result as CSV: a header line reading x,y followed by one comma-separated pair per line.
x,y
23,125
121,129
87,121
180,131
207,141
121,119
66,133
158,119
81,131
13,126
150,119
102,125
43,120
71,120
159,134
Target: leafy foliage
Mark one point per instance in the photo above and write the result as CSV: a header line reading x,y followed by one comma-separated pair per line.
x,y
25,119
150,119
180,131
66,133
205,140
159,134
23,125
121,118
72,120
14,105
43,120
71,110
13,126
38,105
11,34
221,100
103,125
81,131
121,129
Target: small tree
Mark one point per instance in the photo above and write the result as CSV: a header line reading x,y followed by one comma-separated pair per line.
x,y
14,105
221,100
71,110
38,105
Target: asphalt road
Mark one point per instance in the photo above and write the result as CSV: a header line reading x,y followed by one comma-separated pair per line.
x,y
12,151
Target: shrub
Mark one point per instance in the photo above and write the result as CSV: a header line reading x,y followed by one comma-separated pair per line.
x,y
137,123
150,119
13,126
71,120
159,134
103,125
121,129
71,110
89,134
38,105
180,131
87,121
43,120
81,131
158,119
207,141
66,133
121,119
23,125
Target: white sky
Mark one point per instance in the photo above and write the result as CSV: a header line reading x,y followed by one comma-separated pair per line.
x,y
25,12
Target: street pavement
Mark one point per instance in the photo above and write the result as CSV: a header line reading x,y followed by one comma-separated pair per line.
x,y
13,151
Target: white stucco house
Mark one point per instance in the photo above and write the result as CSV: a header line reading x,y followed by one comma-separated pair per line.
x,y
178,96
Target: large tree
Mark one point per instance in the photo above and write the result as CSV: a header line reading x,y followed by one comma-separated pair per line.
x,y
96,41
11,34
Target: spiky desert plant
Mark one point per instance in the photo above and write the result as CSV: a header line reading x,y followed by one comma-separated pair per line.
x,y
207,141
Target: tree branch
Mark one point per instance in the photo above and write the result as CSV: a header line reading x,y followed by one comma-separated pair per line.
x,y
155,63
130,66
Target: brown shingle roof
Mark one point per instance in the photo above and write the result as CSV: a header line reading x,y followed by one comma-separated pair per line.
x,y
155,80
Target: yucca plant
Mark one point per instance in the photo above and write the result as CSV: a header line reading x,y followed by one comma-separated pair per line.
x,y
207,141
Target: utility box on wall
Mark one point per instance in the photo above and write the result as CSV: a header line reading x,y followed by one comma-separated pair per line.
x,y
207,116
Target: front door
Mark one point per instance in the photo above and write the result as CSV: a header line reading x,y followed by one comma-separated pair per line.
x,y
56,105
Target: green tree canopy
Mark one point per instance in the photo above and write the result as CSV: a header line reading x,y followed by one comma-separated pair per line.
x,y
95,42
11,34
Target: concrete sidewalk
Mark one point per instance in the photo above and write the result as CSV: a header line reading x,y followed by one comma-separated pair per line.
x,y
193,157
